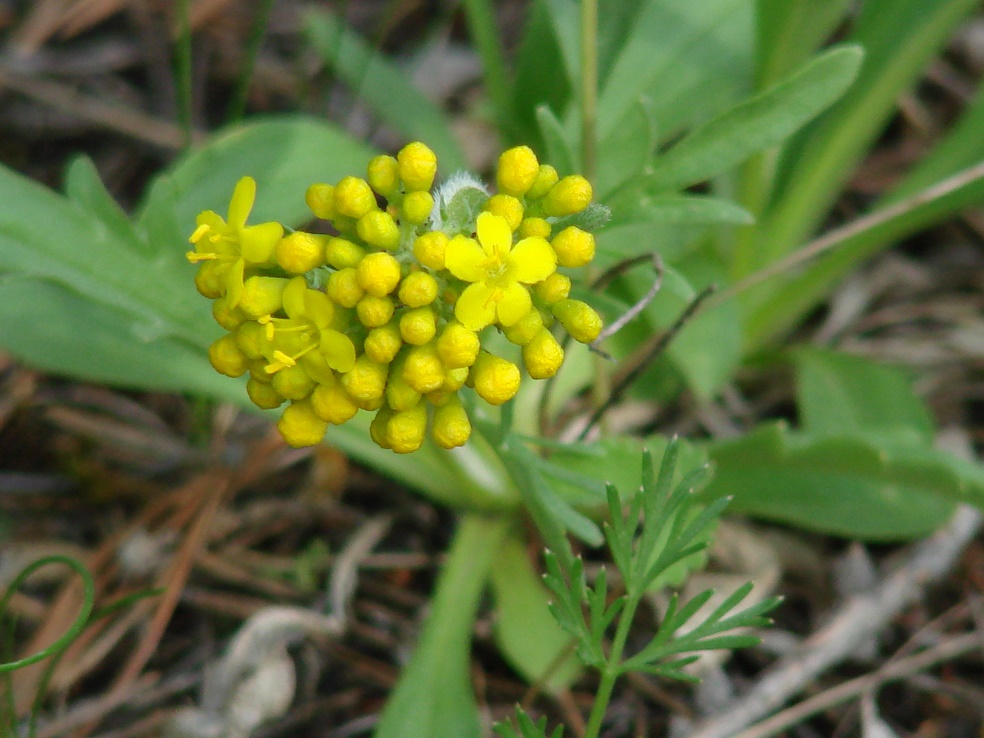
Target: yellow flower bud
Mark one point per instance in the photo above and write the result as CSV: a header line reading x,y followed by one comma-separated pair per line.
x,y
341,253
418,165
496,379
430,249
374,311
263,395
227,317
377,228
293,382
517,171
554,288
226,357
383,343
251,337
379,273
353,197
454,379
384,175
570,195
528,326
377,428
300,252
418,289
320,198
534,227
343,288
399,394
546,178
262,296
423,369
300,426
579,319
333,404
209,279
405,429
418,325
508,207
543,355
366,382
574,247
451,425
417,207
458,346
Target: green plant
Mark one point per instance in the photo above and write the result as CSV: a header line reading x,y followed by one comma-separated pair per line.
x,y
718,135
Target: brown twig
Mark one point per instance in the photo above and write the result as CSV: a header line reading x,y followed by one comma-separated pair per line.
x,y
858,619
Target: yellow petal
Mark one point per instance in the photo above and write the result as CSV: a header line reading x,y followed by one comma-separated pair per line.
x,y
316,366
257,243
242,201
475,308
465,259
294,297
531,260
234,283
514,304
338,350
494,234
318,308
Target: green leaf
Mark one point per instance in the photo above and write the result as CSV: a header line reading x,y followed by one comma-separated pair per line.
x,y
47,237
434,698
757,124
687,58
899,37
525,631
674,209
838,393
853,486
84,187
628,149
383,87
57,330
560,153
541,77
789,31
285,154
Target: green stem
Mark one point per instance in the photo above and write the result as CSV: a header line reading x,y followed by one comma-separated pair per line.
x,y
237,106
183,70
612,670
484,32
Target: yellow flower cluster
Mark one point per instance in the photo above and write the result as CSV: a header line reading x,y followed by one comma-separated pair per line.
x,y
387,314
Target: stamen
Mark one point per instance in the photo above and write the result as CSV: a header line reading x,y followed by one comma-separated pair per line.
x,y
199,232
194,256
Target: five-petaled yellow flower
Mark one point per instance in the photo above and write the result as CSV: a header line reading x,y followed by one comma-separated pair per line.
x,y
498,272
228,247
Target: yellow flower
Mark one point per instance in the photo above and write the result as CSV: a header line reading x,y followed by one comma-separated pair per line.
x,y
308,327
233,244
300,426
498,272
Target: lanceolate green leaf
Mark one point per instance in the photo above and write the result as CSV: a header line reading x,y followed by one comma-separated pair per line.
x,y
789,31
838,393
284,154
850,485
899,38
383,87
527,634
434,697
760,123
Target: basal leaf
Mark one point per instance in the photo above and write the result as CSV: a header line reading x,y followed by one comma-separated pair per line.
x,y
285,154
525,631
848,485
838,393
383,86
758,124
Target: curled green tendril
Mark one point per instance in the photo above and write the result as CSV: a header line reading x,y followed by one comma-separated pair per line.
x,y
78,625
